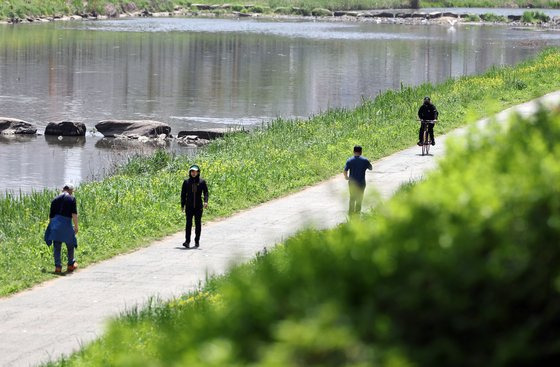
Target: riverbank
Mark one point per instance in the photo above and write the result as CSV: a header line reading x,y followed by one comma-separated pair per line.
x,y
372,291
402,14
128,210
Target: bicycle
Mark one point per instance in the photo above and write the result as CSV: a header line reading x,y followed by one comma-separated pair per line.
x,y
426,142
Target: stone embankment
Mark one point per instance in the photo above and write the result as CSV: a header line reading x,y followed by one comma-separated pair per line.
x,y
399,16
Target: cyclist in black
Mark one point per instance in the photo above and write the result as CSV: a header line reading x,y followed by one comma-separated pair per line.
x,y
427,112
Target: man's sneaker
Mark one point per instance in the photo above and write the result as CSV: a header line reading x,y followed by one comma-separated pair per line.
x,y
58,269
72,267
196,244
433,142
186,244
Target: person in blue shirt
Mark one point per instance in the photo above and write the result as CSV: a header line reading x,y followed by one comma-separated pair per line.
x,y
357,166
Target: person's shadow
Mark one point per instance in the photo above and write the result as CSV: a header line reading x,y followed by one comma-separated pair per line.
x,y
187,248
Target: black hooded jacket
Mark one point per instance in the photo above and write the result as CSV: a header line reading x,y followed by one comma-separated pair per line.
x,y
428,112
191,193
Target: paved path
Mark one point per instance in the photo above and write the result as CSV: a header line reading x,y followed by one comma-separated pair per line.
x,y
59,316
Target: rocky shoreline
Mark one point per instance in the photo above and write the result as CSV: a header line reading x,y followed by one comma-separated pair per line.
x,y
142,131
402,16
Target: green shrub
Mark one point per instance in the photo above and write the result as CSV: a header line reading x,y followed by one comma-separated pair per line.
x,y
283,10
534,17
472,18
219,11
459,270
301,11
256,9
237,7
319,12
490,17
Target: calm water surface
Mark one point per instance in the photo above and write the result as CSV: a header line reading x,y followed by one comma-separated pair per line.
x,y
200,73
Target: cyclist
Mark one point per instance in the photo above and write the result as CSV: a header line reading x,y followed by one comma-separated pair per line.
x,y
427,112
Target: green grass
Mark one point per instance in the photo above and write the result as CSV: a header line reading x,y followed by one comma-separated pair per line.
x,y
458,270
534,17
489,17
24,8
473,18
141,203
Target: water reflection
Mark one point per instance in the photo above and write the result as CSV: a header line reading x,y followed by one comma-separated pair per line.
x,y
135,145
66,141
19,138
199,73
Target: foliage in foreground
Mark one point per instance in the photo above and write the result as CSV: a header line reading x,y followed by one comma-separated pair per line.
x,y
459,270
127,210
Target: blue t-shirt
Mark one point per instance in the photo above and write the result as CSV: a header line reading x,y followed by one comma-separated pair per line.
x,y
357,166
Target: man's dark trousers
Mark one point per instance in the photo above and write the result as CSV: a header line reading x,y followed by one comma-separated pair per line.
x,y
197,214
430,131
356,197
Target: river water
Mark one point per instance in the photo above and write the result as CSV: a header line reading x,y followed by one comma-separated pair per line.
x,y
203,73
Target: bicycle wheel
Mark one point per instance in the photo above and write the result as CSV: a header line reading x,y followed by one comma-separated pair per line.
x,y
425,142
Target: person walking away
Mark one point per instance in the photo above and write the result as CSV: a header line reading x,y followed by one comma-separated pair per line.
x,y
357,165
192,204
427,112
63,212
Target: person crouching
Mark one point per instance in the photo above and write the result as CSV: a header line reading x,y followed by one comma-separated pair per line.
x,y
63,212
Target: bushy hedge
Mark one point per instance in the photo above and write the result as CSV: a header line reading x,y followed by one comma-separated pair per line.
x,y
462,269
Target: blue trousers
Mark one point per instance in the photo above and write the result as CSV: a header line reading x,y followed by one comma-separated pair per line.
x,y
57,247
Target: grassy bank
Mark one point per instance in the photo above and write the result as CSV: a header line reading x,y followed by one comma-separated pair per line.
x,y
141,203
458,270
21,9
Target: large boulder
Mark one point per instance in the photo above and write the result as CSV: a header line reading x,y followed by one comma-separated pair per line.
x,y
203,134
132,128
435,14
192,141
66,128
10,126
201,6
385,14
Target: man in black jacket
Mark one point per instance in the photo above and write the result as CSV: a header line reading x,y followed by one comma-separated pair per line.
x,y
427,112
192,204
